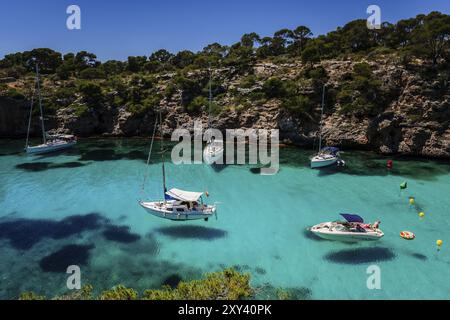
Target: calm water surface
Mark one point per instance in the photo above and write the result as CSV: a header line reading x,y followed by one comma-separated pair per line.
x,y
80,207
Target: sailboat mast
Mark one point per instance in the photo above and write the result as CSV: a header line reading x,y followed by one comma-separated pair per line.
x,y
31,114
40,103
321,118
162,154
210,97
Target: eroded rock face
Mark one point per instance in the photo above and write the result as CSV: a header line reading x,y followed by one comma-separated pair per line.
x,y
416,122
14,117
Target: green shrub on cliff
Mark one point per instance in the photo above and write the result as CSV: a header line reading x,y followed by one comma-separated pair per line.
x,y
248,81
170,90
79,109
190,88
299,105
64,96
144,105
197,104
318,76
274,88
361,93
280,89
92,93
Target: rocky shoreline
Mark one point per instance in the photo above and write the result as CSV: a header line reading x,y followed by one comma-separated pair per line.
x,y
415,123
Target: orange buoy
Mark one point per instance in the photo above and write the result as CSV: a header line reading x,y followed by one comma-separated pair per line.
x,y
407,235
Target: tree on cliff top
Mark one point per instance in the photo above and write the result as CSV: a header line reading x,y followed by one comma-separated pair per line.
x,y
432,37
424,36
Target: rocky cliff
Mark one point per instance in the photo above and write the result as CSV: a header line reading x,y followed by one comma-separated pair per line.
x,y
414,121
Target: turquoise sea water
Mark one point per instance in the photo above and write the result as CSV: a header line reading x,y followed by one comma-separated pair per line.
x,y
80,207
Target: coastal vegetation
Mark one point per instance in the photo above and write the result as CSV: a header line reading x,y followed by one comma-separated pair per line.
x,y
228,284
131,82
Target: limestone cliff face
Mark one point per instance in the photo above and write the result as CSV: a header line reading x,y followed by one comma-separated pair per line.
x,y
416,122
13,117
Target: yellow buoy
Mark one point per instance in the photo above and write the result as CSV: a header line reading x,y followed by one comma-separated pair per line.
x,y
439,244
421,215
411,201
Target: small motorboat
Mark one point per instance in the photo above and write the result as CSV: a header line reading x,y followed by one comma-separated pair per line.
x,y
351,230
180,205
213,152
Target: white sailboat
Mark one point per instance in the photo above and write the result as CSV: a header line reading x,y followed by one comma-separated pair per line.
x,y
49,143
214,149
179,205
329,155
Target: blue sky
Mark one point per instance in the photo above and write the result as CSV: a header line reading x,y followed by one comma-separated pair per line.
x,y
116,29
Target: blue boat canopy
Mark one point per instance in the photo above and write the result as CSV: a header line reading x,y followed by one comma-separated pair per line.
x,y
352,217
332,150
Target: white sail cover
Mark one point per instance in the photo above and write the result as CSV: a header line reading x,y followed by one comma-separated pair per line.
x,y
184,195
59,136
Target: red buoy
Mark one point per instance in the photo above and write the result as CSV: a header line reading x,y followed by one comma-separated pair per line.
x,y
390,164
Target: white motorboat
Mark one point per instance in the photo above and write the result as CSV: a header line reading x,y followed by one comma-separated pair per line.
x,y
213,152
180,205
49,143
353,229
326,156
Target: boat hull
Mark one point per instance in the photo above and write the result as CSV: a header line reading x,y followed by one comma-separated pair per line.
x,y
318,162
212,154
345,236
154,209
47,148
